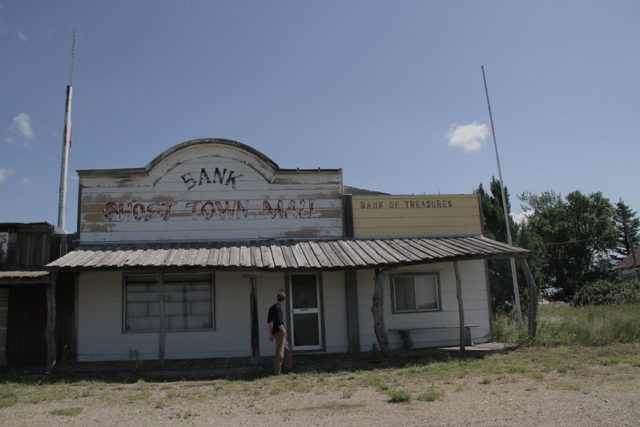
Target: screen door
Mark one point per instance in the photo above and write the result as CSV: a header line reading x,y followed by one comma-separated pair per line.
x,y
304,300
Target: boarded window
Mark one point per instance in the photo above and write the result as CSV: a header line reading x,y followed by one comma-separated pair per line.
x,y
413,293
188,302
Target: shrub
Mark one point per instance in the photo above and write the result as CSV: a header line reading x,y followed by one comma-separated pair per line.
x,y
397,396
430,396
604,292
506,330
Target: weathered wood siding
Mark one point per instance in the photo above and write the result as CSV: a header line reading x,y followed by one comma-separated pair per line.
x,y
335,312
101,336
209,191
474,294
4,311
31,245
409,216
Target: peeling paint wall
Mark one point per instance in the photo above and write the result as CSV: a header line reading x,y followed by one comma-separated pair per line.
x,y
209,191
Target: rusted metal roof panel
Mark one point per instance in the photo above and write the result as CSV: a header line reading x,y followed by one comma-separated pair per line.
x,y
284,255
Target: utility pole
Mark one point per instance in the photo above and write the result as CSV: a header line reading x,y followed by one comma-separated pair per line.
x,y
66,139
514,275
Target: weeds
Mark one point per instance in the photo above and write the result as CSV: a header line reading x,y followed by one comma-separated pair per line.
x,y
347,393
567,325
430,396
67,412
399,396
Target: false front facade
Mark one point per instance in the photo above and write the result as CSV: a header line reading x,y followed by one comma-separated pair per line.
x,y
182,259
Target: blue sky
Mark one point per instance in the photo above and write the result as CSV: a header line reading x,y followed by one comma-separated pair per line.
x,y
381,89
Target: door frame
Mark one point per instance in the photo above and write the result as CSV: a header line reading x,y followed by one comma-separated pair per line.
x,y
321,347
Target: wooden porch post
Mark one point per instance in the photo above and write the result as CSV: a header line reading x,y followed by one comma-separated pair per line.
x,y
163,324
377,309
460,306
51,321
353,328
253,308
533,299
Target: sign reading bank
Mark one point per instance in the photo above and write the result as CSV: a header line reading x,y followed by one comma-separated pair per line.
x,y
209,189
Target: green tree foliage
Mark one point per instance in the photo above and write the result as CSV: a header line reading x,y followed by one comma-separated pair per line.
x,y
627,230
576,235
604,292
500,281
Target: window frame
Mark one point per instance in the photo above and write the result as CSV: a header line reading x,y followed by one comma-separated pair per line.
x,y
392,277
212,301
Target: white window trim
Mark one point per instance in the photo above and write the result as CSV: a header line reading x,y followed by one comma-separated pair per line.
x,y
414,274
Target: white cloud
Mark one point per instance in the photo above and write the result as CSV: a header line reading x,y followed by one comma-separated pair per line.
x,y
25,180
469,137
519,217
4,174
21,131
22,36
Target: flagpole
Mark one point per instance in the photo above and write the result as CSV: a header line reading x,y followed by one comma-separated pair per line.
x,y
514,275
66,141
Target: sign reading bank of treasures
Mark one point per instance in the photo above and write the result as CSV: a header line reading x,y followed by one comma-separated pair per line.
x,y
209,192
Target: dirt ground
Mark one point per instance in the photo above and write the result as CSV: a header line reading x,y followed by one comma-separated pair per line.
x,y
607,395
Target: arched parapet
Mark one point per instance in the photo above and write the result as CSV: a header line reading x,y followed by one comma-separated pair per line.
x,y
214,148
209,189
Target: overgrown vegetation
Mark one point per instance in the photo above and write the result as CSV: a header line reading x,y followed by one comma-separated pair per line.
x,y
575,241
605,292
568,325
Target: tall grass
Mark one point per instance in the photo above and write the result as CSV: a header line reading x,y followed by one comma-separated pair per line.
x,y
587,325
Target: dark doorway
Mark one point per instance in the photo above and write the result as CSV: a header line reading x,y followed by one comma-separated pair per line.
x,y
26,325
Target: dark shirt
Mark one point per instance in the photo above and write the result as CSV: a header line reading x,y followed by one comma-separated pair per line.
x,y
275,316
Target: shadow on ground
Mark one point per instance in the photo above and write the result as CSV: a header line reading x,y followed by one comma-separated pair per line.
x,y
235,369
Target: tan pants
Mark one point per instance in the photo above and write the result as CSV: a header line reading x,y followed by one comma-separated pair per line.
x,y
283,358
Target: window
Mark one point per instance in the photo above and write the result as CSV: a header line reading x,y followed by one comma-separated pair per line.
x,y
188,302
412,293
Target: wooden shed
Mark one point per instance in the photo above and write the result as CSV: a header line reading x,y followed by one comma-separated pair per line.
x,y
24,250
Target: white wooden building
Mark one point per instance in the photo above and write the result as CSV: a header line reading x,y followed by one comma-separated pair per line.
x,y
182,259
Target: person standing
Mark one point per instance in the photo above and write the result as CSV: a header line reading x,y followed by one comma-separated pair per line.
x,y
277,331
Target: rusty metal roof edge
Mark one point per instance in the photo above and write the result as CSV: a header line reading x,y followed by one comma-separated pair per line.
x,y
283,269
496,251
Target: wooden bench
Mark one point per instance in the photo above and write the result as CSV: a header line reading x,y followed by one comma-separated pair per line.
x,y
407,342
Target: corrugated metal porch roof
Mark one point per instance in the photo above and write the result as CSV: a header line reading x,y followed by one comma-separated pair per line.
x,y
285,255
23,276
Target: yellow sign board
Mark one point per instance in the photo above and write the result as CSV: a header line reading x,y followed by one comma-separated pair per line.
x,y
424,216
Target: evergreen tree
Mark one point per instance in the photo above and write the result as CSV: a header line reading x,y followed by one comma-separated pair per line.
x,y
500,281
627,230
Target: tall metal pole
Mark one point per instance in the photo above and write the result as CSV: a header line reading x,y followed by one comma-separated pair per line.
x,y
66,141
514,275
